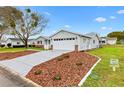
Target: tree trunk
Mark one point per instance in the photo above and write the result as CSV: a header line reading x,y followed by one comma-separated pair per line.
x,y
26,43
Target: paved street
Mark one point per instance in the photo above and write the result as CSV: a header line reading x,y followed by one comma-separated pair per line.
x,y
8,81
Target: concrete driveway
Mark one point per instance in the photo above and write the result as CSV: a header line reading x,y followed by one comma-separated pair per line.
x,y
24,64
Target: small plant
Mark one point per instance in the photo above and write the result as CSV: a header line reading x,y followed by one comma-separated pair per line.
x,y
38,72
79,63
66,56
57,77
60,59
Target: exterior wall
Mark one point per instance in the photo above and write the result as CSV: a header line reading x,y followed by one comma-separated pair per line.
x,y
84,43
45,43
14,42
64,44
94,42
111,42
103,41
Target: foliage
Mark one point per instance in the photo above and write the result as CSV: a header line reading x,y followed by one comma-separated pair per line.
x,y
57,77
38,72
119,35
9,44
23,24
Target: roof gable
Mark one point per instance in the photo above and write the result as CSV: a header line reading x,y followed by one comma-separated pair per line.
x,y
69,32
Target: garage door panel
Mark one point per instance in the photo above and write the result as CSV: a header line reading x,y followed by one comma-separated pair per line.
x,y
64,45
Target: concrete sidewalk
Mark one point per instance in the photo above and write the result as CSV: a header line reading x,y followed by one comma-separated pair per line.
x,y
24,64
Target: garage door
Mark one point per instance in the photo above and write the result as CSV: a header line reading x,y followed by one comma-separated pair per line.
x,y
64,45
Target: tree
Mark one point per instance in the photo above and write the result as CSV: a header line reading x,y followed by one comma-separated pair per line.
x,y
3,30
118,34
24,24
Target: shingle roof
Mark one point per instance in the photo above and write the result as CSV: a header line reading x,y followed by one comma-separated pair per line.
x,y
72,33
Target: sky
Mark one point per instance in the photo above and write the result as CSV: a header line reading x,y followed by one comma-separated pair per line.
x,y
81,19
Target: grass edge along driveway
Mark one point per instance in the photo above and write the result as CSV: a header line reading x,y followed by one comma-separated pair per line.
x,y
19,49
102,75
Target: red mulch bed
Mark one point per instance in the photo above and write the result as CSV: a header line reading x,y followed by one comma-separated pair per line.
x,y
71,68
11,55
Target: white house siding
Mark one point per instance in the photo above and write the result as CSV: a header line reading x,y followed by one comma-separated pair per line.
x,y
64,41
43,42
84,43
111,42
94,42
14,42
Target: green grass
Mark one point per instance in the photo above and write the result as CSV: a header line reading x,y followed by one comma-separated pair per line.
x,y
19,49
102,75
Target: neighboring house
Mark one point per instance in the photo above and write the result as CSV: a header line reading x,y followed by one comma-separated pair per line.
x,y
65,40
103,41
14,42
94,41
42,41
111,40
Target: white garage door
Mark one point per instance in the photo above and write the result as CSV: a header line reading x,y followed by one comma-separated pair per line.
x,y
64,45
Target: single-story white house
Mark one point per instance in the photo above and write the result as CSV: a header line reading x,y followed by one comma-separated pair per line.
x,y
62,40
103,41
111,41
14,42
65,40
42,41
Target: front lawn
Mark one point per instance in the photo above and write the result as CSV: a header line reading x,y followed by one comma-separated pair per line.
x,y
102,75
19,49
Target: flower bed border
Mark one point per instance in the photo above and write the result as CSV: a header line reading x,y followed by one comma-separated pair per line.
x,y
89,72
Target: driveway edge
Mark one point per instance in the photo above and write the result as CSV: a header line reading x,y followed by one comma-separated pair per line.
x,y
89,72
26,82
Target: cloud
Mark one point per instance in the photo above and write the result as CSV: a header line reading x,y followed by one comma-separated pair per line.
x,y
103,28
67,26
120,12
112,17
100,19
47,13
110,28
106,28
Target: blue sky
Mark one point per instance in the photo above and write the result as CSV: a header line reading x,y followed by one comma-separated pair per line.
x,y
82,19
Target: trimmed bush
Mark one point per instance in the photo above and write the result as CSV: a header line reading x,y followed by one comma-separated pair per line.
x,y
57,77
79,63
38,72
9,44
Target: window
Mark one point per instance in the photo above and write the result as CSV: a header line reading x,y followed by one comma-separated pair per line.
x,y
93,41
103,41
18,43
73,38
38,42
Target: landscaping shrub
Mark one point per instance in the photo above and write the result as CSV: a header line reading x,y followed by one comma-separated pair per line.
x,y
66,56
38,72
57,77
18,46
31,45
2,45
60,59
9,44
79,63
